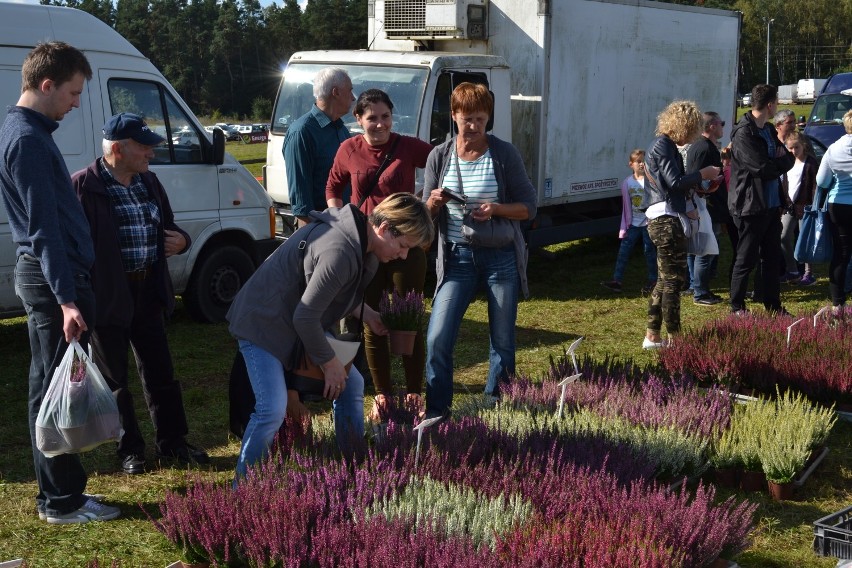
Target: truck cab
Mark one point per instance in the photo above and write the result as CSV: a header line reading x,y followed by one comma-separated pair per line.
x,y
418,84
825,123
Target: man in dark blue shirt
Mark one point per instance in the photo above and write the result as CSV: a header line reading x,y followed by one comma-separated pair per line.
x,y
312,142
54,255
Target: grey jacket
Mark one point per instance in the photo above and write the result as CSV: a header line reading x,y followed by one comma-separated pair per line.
x,y
513,186
270,310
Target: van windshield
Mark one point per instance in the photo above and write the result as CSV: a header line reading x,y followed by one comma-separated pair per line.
x,y
403,85
829,109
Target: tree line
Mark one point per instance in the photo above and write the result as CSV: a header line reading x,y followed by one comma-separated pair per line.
x,y
225,57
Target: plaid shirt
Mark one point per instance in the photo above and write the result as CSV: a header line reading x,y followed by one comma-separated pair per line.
x,y
137,218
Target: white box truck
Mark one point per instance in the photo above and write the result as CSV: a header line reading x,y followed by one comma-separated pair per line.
x,y
578,84
808,89
788,94
215,199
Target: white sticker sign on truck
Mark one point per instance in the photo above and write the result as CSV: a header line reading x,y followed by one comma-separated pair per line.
x,y
594,185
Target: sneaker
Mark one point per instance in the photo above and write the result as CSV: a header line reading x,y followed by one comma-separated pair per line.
x,y
133,464
93,496
648,344
185,454
90,511
807,279
707,300
739,312
649,287
613,285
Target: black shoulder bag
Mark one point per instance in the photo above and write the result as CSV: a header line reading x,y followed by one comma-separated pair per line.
x,y
388,159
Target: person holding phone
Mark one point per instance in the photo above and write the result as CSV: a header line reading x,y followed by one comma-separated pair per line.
x,y
490,174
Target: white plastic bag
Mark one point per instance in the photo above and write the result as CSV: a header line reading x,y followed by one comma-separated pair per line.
x,y
703,241
78,412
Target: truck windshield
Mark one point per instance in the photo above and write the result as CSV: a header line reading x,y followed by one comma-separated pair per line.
x,y
403,85
829,109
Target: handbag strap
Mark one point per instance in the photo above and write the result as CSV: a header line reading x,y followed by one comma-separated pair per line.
x,y
375,181
817,198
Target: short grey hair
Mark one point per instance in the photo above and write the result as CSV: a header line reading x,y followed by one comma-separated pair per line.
x,y
782,115
106,146
327,79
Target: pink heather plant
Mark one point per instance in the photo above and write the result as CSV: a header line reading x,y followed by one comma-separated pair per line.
x,y
753,351
403,312
310,508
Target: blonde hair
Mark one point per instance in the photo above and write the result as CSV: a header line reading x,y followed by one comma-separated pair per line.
x,y
847,121
407,216
681,121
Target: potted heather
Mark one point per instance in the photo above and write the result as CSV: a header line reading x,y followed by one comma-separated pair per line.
x,y
403,315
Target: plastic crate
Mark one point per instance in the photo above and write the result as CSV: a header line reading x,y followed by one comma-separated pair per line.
x,y
833,535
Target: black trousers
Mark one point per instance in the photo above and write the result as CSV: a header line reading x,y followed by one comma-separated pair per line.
x,y
760,240
841,234
147,336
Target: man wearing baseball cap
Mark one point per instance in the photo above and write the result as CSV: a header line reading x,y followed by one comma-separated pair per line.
x,y
134,232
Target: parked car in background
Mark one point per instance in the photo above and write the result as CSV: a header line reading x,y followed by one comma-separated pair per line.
x,y
745,100
231,133
185,138
808,89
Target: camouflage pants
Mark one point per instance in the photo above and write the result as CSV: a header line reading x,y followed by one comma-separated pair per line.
x,y
666,233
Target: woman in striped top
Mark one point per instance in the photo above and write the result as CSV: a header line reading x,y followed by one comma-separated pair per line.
x,y
486,176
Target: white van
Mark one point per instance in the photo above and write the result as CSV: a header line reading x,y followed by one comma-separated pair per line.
x,y
215,199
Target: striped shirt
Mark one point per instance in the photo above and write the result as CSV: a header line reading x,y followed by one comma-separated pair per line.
x,y
137,218
479,186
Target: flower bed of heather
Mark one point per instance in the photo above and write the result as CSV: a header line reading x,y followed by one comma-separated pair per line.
x,y
477,508
753,352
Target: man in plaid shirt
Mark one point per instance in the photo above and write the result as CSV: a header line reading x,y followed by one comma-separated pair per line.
x,y
133,230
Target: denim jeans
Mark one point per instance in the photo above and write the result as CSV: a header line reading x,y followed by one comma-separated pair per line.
x,y
467,270
61,479
268,382
627,244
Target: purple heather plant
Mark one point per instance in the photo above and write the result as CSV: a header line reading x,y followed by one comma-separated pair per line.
x,y
402,311
312,507
753,352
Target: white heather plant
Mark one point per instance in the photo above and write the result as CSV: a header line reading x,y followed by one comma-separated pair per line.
x,y
725,450
673,451
460,510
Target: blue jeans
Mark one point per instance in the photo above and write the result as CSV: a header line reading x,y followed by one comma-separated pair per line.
x,y
467,270
702,269
61,479
627,244
267,377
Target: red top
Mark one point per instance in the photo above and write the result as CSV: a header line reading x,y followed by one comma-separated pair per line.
x,y
357,162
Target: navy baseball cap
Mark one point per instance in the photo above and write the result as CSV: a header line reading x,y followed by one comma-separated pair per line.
x,y
127,125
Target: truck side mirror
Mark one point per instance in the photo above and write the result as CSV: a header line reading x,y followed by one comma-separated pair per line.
x,y
218,146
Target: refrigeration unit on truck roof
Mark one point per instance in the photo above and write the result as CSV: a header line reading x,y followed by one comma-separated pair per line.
x,y
434,19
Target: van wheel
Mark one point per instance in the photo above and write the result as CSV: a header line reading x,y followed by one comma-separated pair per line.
x,y
216,279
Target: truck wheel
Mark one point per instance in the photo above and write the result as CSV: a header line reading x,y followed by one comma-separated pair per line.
x,y
216,279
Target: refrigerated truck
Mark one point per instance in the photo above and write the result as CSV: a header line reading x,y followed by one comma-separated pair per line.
x,y
577,84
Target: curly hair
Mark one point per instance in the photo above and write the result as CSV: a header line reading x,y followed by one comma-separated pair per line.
x,y
681,121
847,121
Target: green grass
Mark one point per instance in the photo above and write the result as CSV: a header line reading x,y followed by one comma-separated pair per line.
x,y
566,302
